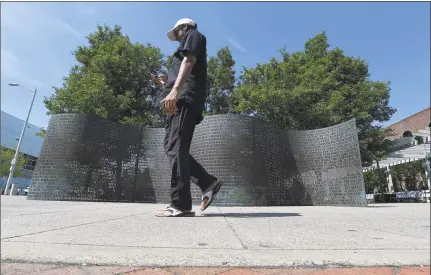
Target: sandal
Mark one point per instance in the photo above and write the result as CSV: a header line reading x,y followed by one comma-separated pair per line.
x,y
210,194
170,211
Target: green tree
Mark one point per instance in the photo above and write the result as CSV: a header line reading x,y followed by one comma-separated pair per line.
x,y
169,61
220,82
314,88
42,133
409,176
111,80
371,181
5,158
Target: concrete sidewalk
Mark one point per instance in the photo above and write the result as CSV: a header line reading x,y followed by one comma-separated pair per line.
x,y
123,234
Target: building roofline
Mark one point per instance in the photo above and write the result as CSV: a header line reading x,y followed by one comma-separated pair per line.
x,y
408,117
28,123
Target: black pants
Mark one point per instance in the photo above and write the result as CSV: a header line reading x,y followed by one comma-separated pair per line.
x,y
179,131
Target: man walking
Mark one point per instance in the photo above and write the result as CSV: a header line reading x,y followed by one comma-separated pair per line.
x,y
184,99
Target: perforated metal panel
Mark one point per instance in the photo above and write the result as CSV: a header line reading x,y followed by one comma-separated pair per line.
x,y
88,158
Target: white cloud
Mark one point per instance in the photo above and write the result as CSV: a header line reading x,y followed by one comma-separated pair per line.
x,y
12,68
34,83
29,19
237,45
30,31
9,63
8,55
63,26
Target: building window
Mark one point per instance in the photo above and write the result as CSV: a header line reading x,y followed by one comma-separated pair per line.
x,y
33,163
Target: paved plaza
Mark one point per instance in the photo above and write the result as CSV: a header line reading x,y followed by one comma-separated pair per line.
x,y
128,235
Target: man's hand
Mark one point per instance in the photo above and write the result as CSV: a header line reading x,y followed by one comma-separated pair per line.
x,y
159,81
170,101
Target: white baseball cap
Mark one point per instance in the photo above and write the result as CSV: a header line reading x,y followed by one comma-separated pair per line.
x,y
184,21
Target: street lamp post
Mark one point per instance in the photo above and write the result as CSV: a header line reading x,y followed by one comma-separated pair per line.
x,y
14,160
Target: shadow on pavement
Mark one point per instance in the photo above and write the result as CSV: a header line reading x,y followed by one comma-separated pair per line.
x,y
252,215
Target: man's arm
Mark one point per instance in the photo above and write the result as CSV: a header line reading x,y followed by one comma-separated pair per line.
x,y
186,67
191,49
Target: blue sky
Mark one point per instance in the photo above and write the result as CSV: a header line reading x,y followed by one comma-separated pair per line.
x,y
37,40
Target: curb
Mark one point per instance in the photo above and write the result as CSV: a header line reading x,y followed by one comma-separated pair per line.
x,y
15,268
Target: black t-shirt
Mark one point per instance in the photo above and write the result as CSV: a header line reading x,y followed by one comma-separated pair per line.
x,y
194,90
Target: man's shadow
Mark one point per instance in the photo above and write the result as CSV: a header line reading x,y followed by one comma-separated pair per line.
x,y
251,215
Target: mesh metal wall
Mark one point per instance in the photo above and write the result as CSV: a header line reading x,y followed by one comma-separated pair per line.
x,y
88,158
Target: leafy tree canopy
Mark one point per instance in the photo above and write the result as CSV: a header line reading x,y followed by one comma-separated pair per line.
x,y
220,82
314,88
6,157
111,80
42,133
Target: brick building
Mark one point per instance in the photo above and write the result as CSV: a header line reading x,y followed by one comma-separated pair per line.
x,y
412,142
410,125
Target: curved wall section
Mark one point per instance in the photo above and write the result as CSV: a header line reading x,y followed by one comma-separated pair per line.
x,y
88,158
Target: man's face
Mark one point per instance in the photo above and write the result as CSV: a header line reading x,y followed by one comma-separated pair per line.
x,y
180,32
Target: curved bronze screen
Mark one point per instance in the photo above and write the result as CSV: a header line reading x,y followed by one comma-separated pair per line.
x,y
89,158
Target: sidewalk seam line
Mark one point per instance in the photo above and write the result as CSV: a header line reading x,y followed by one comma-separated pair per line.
x,y
233,230
72,226
41,213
